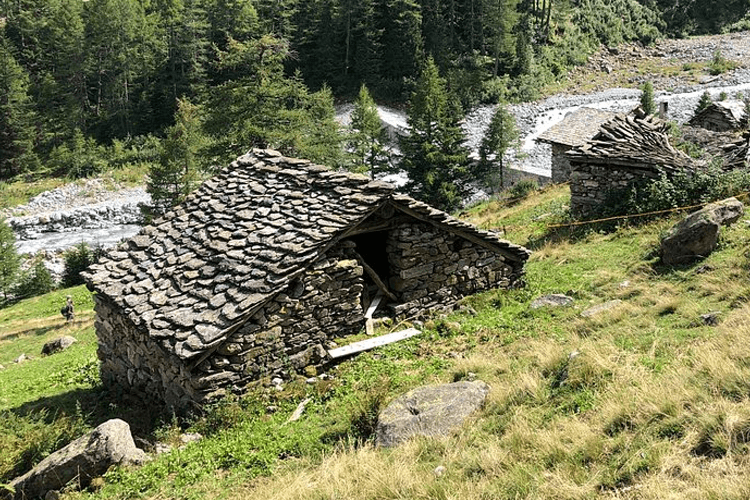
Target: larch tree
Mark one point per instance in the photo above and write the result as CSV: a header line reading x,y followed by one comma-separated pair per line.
x,y
17,134
368,137
434,153
647,99
10,262
501,134
176,173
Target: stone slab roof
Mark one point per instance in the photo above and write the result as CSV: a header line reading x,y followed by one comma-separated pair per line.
x,y
729,114
577,127
632,142
731,146
197,273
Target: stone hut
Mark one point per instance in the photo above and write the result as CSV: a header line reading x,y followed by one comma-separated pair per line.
x,y
732,147
720,116
262,266
576,128
625,150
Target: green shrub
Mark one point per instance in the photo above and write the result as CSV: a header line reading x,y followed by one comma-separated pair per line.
x,y
679,190
523,188
35,281
719,64
77,260
704,102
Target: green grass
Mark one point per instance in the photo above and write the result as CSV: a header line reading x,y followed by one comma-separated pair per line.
x,y
654,404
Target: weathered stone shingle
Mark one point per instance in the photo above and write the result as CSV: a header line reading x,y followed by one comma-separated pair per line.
x,y
577,127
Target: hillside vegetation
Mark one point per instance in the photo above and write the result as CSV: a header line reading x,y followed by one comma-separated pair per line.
x,y
642,401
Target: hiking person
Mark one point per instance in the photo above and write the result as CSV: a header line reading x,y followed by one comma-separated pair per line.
x,y
67,310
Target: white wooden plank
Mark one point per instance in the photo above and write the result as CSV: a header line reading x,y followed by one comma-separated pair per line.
x,y
366,345
373,305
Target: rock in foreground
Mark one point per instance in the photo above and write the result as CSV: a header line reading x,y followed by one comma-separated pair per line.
x,y
81,461
429,411
697,235
59,344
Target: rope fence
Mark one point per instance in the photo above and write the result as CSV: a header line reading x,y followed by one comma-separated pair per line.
x,y
620,217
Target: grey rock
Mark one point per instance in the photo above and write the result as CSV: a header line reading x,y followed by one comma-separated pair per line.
x,y
52,495
697,235
600,308
711,318
552,300
190,437
21,358
81,461
439,471
57,345
429,411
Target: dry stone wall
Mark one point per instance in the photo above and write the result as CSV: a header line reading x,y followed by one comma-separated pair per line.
x,y
130,359
590,185
292,330
560,164
432,269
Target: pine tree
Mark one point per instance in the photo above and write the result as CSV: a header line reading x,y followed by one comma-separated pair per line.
x,y
176,173
501,134
368,137
10,262
704,102
265,108
17,134
499,22
434,155
647,99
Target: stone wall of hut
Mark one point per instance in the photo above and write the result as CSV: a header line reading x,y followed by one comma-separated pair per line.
x,y
293,329
431,269
560,164
591,185
133,361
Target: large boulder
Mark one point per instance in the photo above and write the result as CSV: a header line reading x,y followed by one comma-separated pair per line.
x,y
697,235
81,461
429,411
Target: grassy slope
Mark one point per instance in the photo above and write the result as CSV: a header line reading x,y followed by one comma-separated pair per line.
x,y
655,405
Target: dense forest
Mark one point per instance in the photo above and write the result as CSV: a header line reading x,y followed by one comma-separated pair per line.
x,y
91,84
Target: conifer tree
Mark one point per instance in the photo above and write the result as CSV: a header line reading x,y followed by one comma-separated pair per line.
x,y
10,262
704,102
434,155
501,134
176,173
647,99
265,108
368,138
17,134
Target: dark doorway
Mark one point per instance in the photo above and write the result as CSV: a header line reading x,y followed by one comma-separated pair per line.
x,y
371,247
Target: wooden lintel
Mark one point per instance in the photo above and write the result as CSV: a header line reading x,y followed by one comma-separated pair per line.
x,y
378,282
366,345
